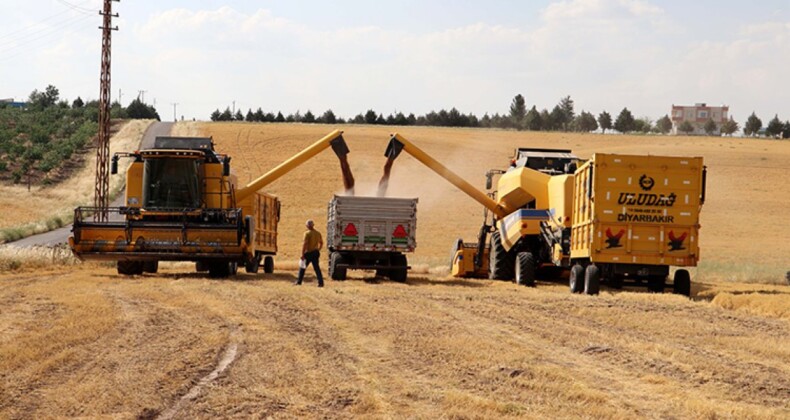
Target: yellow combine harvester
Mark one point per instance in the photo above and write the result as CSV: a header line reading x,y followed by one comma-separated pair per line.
x,y
183,204
617,218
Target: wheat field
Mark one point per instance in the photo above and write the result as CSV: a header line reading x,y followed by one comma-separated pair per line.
x,y
77,340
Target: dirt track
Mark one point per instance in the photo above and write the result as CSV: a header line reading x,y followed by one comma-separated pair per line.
x,y
134,347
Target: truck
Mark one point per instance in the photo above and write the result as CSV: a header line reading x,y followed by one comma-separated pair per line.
x,y
633,218
182,203
371,233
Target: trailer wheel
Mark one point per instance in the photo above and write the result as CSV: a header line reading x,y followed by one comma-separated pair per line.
x,y
130,268
399,273
253,264
576,278
592,280
655,284
219,270
268,264
525,269
150,266
682,283
335,272
500,264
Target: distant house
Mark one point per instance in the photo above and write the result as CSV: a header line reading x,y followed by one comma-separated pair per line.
x,y
698,115
11,103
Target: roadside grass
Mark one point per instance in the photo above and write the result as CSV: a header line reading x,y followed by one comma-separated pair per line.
x,y
23,259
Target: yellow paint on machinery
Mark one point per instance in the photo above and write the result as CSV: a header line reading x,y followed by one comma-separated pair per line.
x,y
638,210
182,204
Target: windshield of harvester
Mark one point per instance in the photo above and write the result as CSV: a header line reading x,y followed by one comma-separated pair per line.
x,y
171,183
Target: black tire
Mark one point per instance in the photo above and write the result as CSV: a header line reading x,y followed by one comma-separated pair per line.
x,y
655,284
525,269
399,272
592,280
130,268
682,283
150,266
380,272
268,264
576,278
500,264
201,266
219,270
615,282
252,265
336,272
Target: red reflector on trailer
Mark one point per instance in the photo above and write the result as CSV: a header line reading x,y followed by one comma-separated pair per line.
x,y
350,230
400,232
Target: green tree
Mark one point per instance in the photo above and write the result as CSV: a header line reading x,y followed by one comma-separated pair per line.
x,y
259,116
775,127
279,118
729,127
370,117
566,105
138,110
752,126
605,121
250,117
78,103
557,118
226,115
686,127
585,122
308,117
518,111
625,121
239,116
532,120
215,116
664,124
329,117
45,99
710,127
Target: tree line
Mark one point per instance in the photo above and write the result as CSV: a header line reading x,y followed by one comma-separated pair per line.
x,y
562,117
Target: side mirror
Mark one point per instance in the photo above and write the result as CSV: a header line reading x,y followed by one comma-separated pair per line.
x,y
489,175
226,166
114,165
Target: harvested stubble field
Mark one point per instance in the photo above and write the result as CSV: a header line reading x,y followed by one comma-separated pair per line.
x,y
82,341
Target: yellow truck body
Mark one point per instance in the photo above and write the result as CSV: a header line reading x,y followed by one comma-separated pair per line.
x,y
634,216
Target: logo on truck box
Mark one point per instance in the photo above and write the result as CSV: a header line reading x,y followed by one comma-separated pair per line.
x,y
613,240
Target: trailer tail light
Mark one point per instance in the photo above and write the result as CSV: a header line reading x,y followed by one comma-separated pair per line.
x,y
400,232
350,230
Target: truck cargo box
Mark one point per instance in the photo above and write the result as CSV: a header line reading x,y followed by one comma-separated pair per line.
x,y
639,210
371,224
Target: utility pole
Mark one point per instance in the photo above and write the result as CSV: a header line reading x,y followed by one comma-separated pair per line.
x,y
101,193
140,93
120,97
175,118
234,107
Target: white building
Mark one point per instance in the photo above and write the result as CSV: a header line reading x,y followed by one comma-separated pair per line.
x,y
698,115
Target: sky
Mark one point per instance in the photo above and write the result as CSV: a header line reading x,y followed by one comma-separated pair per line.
x,y
407,56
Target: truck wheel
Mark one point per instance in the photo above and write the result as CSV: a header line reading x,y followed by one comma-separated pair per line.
x,y
130,268
655,284
150,266
335,272
201,266
576,278
268,264
682,283
252,265
592,280
218,270
525,269
399,272
500,264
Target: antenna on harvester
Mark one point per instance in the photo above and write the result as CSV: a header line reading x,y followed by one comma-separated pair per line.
x,y
101,193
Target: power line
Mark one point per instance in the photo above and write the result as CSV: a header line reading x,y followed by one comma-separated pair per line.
x,y
32,41
43,32
77,8
34,25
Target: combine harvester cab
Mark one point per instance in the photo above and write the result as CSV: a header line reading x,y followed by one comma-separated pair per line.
x,y
182,204
633,218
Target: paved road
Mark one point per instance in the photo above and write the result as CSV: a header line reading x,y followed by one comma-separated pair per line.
x,y
60,236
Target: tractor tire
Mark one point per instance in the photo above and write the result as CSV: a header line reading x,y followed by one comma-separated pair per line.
x,y
268,264
219,270
252,265
150,266
335,272
682,283
130,268
399,272
576,278
525,269
592,280
500,264
655,284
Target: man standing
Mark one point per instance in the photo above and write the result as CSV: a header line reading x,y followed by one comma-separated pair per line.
x,y
311,252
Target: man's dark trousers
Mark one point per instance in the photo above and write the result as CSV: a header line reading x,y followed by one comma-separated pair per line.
x,y
312,257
